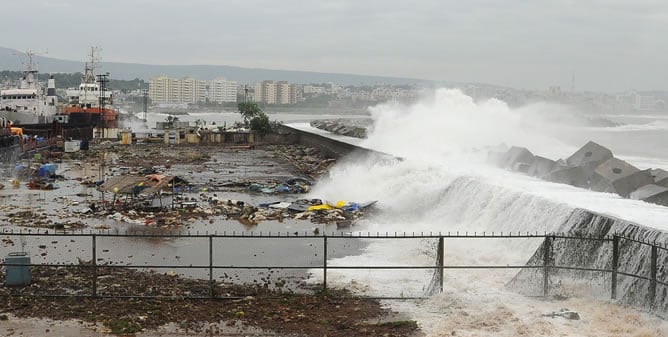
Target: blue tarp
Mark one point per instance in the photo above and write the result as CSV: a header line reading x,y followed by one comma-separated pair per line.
x,y
47,170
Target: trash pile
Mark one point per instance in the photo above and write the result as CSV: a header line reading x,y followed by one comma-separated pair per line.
x,y
565,313
169,201
342,213
292,185
147,187
39,176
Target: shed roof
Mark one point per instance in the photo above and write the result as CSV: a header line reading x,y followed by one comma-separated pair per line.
x,y
128,184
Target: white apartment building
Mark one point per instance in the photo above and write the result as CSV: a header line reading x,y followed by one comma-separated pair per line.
x,y
163,89
295,94
221,90
314,90
192,90
328,89
265,92
280,92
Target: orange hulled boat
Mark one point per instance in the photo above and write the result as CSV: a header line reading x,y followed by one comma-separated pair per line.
x,y
91,104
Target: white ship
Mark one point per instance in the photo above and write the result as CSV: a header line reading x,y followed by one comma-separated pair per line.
x,y
91,103
27,103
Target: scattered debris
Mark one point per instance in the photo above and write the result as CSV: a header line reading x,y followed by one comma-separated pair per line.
x,y
565,313
139,186
334,313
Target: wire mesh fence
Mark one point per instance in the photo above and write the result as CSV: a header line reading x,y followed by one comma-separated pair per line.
x,y
229,265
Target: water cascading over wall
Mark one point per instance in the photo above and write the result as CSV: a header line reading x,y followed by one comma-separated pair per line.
x,y
474,203
469,202
634,258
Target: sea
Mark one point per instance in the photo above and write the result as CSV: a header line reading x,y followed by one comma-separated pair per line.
x,y
444,183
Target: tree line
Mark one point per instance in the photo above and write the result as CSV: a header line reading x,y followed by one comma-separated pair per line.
x,y
70,80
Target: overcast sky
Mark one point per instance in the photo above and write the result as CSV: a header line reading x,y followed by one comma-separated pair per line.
x,y
607,45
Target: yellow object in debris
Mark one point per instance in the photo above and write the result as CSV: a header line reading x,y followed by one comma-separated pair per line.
x,y
16,131
340,204
16,182
319,207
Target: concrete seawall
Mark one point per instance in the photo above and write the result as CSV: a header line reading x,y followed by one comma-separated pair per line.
x,y
328,146
633,257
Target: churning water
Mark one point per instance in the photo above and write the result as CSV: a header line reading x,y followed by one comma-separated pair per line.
x,y
444,185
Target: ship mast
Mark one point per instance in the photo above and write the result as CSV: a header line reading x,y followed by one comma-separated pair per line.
x,y
89,73
29,79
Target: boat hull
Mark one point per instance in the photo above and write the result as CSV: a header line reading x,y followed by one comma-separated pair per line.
x,y
94,116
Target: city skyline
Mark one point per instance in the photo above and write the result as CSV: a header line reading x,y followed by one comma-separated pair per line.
x,y
588,45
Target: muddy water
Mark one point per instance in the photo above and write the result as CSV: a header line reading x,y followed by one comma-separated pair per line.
x,y
143,249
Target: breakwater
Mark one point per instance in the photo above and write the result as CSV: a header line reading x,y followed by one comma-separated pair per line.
x,y
328,146
592,167
639,250
478,204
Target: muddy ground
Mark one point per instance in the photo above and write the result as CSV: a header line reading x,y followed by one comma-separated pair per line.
x,y
240,309
243,308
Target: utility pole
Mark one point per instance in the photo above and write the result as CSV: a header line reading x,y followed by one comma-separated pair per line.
x,y
102,79
245,93
145,92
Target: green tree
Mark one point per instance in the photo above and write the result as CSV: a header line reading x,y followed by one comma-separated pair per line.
x,y
254,118
261,124
248,111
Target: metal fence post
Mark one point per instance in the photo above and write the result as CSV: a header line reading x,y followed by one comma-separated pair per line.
x,y
94,266
324,263
547,249
615,266
211,266
440,259
652,277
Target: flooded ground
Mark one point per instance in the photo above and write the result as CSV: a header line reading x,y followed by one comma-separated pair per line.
x,y
56,227
213,173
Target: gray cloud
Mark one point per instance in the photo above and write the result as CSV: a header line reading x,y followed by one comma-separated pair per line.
x,y
608,45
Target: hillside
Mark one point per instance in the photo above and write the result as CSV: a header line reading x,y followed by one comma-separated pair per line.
x,y
10,60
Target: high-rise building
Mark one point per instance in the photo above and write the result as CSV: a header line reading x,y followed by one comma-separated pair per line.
x,y
192,90
221,90
294,94
280,92
265,92
163,89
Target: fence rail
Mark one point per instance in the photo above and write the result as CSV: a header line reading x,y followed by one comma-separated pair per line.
x,y
548,266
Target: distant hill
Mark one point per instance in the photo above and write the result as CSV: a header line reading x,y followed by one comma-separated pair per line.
x,y
129,71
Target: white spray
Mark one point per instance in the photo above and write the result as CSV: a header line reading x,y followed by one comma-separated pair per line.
x,y
442,185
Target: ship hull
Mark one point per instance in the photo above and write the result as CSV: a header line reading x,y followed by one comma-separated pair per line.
x,y
95,117
23,118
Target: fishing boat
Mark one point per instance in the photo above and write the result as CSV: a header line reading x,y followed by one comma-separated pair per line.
x,y
91,103
27,103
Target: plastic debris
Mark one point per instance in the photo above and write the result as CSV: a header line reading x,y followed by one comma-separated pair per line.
x,y
565,313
